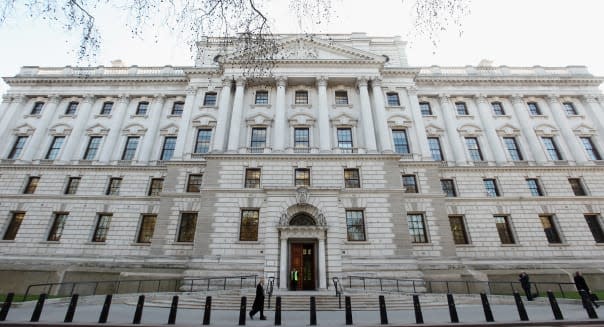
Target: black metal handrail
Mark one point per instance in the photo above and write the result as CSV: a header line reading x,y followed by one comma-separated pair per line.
x,y
338,287
271,282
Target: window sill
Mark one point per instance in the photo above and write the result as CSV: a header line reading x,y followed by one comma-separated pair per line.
x,y
465,116
209,106
33,116
174,116
140,244
307,106
102,116
183,243
342,106
422,244
257,106
576,116
429,116
95,243
7,241
247,242
139,116
510,245
49,242
538,116
399,107
74,116
502,116
464,245
558,244
347,242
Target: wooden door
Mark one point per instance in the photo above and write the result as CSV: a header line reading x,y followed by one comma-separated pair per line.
x,y
303,260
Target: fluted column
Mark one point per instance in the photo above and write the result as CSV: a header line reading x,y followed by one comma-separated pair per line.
x,y
324,132
152,132
595,113
185,122
6,100
451,129
366,117
12,112
486,118
571,140
418,123
280,126
381,125
75,138
33,150
109,152
528,133
233,145
224,111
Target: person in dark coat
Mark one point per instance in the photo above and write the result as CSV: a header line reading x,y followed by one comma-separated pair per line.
x,y
525,282
581,285
259,301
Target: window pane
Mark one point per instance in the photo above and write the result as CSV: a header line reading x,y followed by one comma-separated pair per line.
x,y
595,226
114,186
13,226
351,178
177,108
549,227
147,227
202,143
591,150
534,109
569,108
341,97
301,97
209,99
393,99
417,229
512,147
106,109
534,187
458,229
194,183
258,140
448,187
57,227
425,108
37,108
461,108
409,184
15,152
72,107
72,185
435,149
474,148
102,228
93,147
32,184
504,229
186,230
249,225
302,177
401,144
497,108
142,107
252,178
490,186
156,186
355,225
301,140
345,139
551,148
261,97
577,186
55,147
168,148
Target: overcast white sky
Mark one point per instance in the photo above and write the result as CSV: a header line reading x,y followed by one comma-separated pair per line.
x,y
508,32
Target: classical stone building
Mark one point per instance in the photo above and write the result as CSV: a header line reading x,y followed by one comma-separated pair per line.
x,y
345,161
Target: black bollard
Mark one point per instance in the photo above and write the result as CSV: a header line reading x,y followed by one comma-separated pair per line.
x,y
452,309
35,316
383,313
278,311
242,310
105,310
313,311
173,310
348,306
521,310
71,309
7,303
419,317
488,314
138,314
585,297
555,307
208,310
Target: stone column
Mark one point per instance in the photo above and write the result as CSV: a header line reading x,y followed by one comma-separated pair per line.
x,y
109,152
322,267
74,141
185,122
224,111
381,125
233,145
366,117
486,118
283,277
6,100
153,130
12,112
33,150
459,152
280,116
528,132
571,140
418,123
595,113
324,130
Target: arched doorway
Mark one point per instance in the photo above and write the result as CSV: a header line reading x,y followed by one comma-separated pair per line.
x,y
302,257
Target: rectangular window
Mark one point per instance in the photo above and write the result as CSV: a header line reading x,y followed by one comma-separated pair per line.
x,y
194,183
17,148
474,149
550,229
551,148
534,187
461,108
425,109
114,186
355,225
130,148
252,178
146,229
202,142
458,229
102,228
351,178
209,99
393,99
345,140
249,225
72,185
569,108
341,97
56,230
261,97
55,147
106,108
497,108
448,186
37,108
156,186
186,228
504,229
595,226
302,177
301,140
13,226
577,186
435,149
301,97
177,108
512,147
32,184
92,148
142,108
72,107
591,150
490,186
401,144
417,228
534,109
410,184
168,149
258,141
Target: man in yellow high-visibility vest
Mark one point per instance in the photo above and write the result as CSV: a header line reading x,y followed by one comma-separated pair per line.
x,y
294,279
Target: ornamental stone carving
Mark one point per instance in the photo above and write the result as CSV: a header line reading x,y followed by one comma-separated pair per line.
x,y
302,195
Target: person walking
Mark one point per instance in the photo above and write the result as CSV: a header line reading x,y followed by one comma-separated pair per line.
x,y
259,301
581,285
525,282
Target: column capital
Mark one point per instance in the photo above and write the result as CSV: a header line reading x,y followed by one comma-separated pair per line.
x,y
553,98
517,99
88,98
191,90
226,82
19,98
590,98
481,98
444,98
362,82
376,81
412,90
123,98
281,81
322,81
157,98
55,98
240,81
6,98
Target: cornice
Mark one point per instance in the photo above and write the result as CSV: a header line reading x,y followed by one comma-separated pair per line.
x,y
452,80
304,156
95,80
490,169
21,166
570,199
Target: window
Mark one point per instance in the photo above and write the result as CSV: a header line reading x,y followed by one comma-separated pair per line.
x,y
393,99
92,148
301,97
425,109
504,229
186,228
258,141
410,184
497,108
550,229
355,225
512,147
142,108
114,186
37,108
461,108
168,149
32,184
209,99
252,178
458,229
178,107
13,226
448,186
341,97
301,140
194,183
474,148
345,140
417,228
401,144
577,186
435,150
72,185
534,187
591,150
56,230
72,107
249,225
551,148
490,186
55,147
156,186
130,148
534,109
146,228
351,178
17,148
102,228
569,108
106,108
302,177
261,97
202,143
595,226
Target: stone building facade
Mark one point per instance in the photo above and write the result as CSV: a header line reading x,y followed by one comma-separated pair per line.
x,y
343,161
